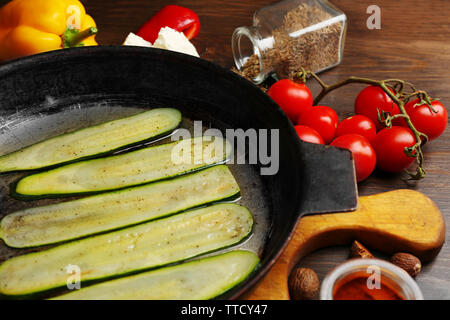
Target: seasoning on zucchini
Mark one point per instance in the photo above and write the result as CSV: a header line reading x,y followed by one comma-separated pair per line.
x,y
149,245
74,219
200,279
93,141
124,170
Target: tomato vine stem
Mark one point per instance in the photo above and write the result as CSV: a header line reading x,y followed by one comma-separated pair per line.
x,y
395,89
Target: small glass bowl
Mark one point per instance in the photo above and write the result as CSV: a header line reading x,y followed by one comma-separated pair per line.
x,y
396,278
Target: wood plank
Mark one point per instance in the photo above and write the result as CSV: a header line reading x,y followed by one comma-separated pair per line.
x,y
400,220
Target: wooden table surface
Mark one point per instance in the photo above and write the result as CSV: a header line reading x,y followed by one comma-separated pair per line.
x,y
412,44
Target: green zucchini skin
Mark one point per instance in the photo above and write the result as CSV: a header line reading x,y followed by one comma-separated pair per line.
x,y
93,141
120,171
131,250
108,211
200,279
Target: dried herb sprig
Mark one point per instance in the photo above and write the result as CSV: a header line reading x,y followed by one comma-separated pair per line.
x,y
401,92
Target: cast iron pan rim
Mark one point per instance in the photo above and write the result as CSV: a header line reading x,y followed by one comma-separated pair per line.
x,y
46,57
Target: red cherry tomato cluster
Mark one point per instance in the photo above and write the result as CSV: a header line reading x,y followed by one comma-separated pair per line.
x,y
370,143
390,143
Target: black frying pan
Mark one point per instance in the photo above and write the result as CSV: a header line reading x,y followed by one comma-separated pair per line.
x,y
47,94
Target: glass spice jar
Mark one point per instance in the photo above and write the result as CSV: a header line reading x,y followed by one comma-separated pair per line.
x,y
357,279
289,35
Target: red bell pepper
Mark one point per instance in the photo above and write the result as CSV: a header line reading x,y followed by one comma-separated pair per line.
x,y
172,16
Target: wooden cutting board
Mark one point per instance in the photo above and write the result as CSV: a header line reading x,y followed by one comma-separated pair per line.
x,y
401,220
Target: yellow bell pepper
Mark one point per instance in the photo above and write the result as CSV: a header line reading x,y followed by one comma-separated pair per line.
x,y
32,26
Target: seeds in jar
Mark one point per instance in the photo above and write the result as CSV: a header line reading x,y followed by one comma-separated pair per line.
x,y
308,37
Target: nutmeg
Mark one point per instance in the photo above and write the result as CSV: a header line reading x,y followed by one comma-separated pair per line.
x,y
407,262
303,284
359,251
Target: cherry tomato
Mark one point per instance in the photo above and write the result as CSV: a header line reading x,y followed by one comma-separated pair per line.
x,y
358,125
363,153
293,98
389,145
370,100
426,121
308,134
322,119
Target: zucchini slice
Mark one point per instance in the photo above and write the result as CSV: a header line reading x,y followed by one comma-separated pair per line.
x,y
93,141
74,219
201,279
133,249
124,170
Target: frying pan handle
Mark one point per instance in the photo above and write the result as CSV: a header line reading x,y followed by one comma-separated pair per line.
x,y
327,179
401,220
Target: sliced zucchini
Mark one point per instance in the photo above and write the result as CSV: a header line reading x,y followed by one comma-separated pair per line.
x,y
201,279
74,219
123,170
93,141
141,247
